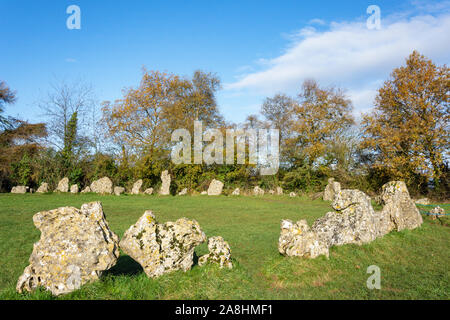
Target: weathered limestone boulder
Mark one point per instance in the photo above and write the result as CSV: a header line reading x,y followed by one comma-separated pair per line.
x,y
423,201
19,189
75,247
215,188
236,192
119,190
298,240
86,190
136,189
331,190
43,188
183,192
102,186
279,191
292,194
148,191
63,185
219,253
74,188
257,191
399,211
354,221
165,187
437,212
162,248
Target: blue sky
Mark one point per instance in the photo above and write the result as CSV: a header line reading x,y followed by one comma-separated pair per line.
x,y
258,48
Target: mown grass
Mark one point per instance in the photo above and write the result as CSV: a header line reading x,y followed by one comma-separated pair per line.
x,y
414,264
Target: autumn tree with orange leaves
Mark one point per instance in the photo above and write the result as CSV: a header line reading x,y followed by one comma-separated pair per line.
x,y
408,132
321,115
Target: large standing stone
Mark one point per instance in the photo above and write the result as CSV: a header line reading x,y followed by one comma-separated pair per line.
x,y
63,185
399,211
119,190
296,239
219,253
74,188
43,188
102,186
354,221
165,187
257,191
75,247
19,189
136,189
331,190
215,188
162,248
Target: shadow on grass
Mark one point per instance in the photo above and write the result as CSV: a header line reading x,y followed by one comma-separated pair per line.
x,y
125,266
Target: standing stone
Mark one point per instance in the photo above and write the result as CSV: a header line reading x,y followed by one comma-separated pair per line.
x,y
162,248
279,191
19,189
74,188
354,221
165,187
75,247
183,192
236,192
298,240
137,187
63,185
86,190
219,253
331,190
102,186
257,191
43,188
119,190
399,211
148,191
215,188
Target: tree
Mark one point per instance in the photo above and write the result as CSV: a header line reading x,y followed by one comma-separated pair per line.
x,y
61,103
407,134
278,112
321,115
7,96
145,118
70,140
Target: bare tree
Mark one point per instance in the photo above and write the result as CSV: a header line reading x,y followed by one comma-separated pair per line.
x,y
63,100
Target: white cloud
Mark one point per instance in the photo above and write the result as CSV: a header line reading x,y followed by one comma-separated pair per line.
x,y
351,56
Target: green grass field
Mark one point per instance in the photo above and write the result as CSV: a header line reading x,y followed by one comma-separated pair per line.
x,y
414,264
